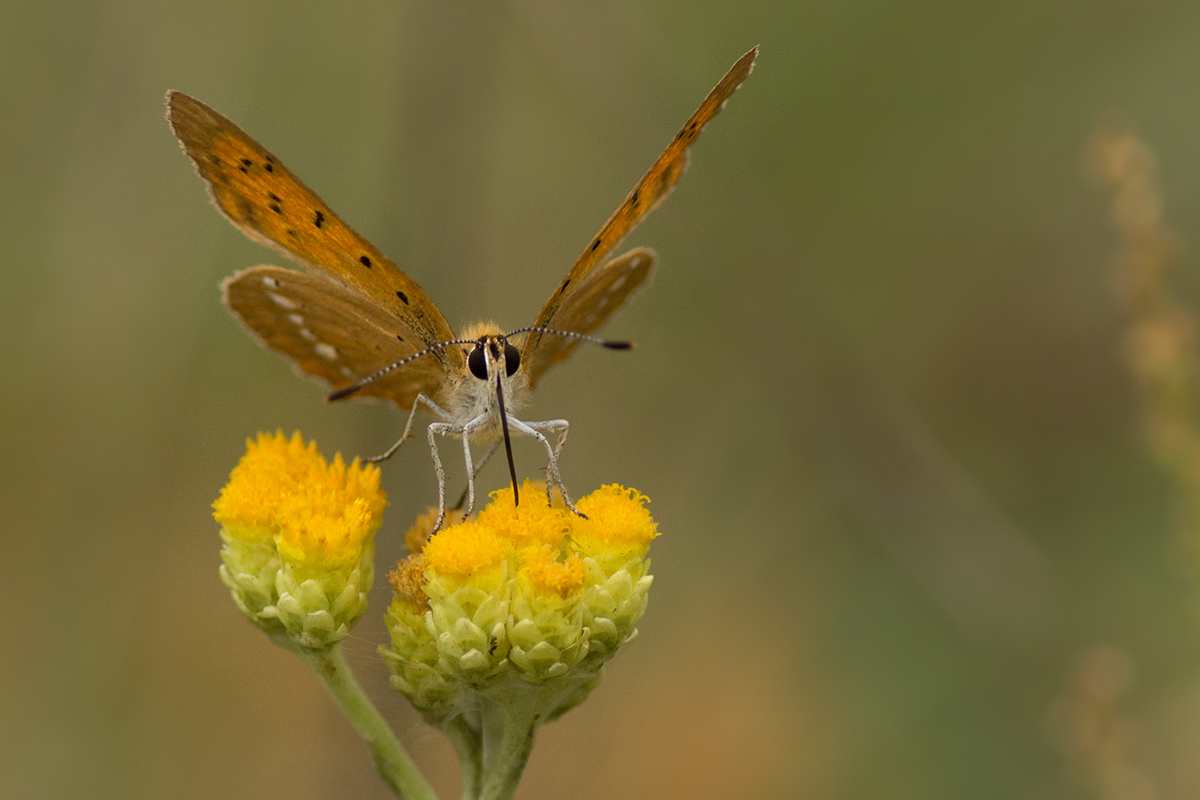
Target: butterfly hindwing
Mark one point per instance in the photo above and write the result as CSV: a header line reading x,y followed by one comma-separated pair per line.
x,y
588,307
331,333
272,206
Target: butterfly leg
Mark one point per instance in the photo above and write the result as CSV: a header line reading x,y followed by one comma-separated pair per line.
x,y
558,446
553,478
466,441
562,437
445,429
487,454
408,426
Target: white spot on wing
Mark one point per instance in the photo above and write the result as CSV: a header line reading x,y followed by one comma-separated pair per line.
x,y
326,351
307,335
620,281
272,282
296,319
346,371
602,302
282,301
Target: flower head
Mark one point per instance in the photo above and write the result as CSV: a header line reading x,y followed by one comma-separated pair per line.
x,y
522,605
299,536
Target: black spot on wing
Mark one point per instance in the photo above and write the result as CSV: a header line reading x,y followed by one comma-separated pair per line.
x,y
403,297
318,219
366,262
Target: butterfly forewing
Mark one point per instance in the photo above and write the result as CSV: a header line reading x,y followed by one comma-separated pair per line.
x,y
646,195
588,307
331,332
270,205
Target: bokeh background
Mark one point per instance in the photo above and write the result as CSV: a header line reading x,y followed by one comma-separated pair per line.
x,y
915,544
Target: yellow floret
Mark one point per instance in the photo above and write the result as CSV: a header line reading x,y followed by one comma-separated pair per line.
x,y
464,549
533,522
316,511
617,520
548,575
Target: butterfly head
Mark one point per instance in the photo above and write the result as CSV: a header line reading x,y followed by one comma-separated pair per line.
x,y
492,362
492,355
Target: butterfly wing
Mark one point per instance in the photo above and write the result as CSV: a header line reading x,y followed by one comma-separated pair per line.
x,y
588,307
331,332
270,205
654,186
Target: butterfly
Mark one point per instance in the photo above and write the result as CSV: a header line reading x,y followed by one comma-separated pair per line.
x,y
361,324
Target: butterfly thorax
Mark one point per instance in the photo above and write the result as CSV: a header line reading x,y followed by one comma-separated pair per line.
x,y
472,394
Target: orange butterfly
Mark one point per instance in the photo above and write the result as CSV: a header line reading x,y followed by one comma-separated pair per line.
x,y
357,321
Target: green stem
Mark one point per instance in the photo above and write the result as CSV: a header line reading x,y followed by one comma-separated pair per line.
x,y
506,751
395,767
468,743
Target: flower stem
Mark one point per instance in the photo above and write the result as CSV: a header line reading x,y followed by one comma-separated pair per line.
x,y
506,751
395,767
468,744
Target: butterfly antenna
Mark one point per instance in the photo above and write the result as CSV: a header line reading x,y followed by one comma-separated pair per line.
x,y
611,344
342,394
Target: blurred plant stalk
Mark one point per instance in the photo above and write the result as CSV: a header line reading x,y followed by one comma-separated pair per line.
x,y
1160,346
1096,733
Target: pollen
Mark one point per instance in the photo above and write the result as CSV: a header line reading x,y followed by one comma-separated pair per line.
x,y
547,575
316,511
465,549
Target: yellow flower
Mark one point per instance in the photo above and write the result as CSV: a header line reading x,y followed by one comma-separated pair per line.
x,y
522,605
299,538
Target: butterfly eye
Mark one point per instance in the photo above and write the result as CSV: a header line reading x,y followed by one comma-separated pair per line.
x,y
477,363
512,359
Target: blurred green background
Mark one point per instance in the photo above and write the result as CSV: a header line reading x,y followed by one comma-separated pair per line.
x,y
878,400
